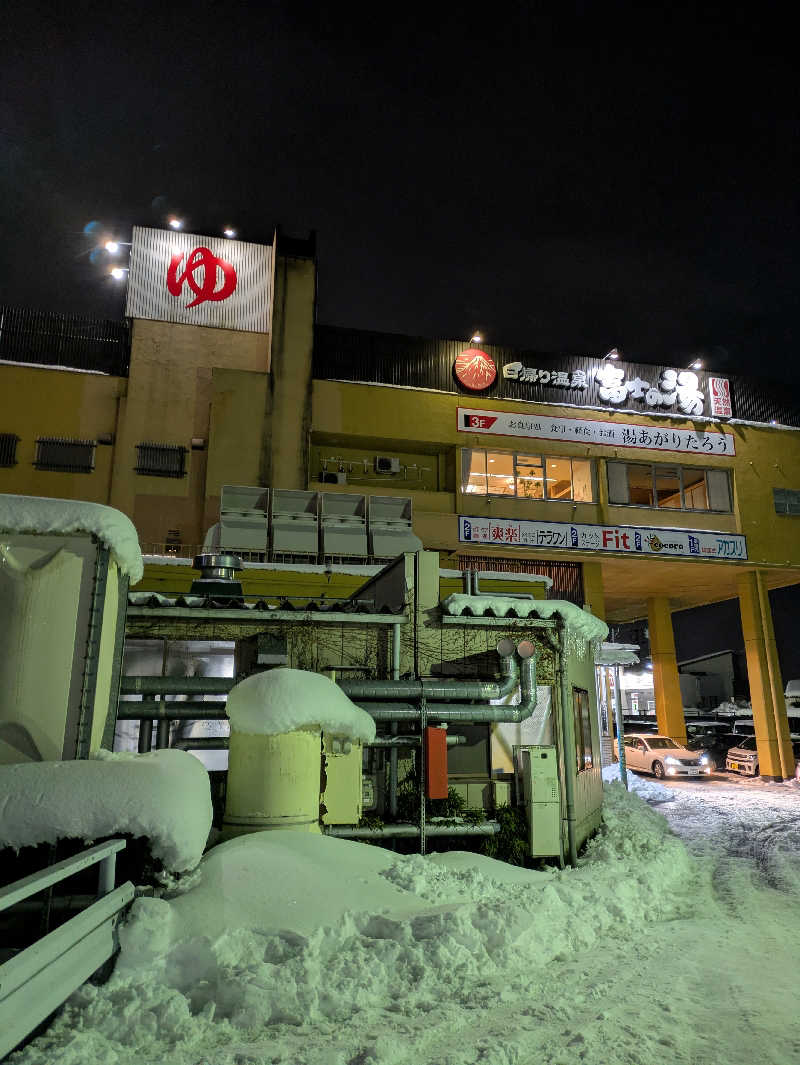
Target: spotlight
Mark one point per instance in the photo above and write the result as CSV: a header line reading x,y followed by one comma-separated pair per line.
x,y
228,232
112,246
119,272
476,338
175,223
697,364
613,354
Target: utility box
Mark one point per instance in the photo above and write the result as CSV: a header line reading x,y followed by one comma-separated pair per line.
x,y
343,795
542,800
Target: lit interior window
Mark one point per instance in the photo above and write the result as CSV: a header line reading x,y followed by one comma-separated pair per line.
x,y
500,473
530,477
559,478
473,472
668,487
695,496
640,485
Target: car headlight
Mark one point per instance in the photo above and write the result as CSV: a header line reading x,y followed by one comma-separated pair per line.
x,y
704,759
669,760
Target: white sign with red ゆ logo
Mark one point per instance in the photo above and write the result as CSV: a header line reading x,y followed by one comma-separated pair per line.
x,y
210,281
584,431
623,539
719,391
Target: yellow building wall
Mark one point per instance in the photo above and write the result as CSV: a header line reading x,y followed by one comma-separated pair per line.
x,y
376,417
38,402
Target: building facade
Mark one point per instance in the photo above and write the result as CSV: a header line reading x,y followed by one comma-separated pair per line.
x,y
637,489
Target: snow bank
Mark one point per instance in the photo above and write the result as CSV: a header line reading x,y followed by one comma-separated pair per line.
x,y
649,790
281,700
32,514
164,796
289,942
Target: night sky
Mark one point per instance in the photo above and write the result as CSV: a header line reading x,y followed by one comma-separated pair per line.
x,y
564,177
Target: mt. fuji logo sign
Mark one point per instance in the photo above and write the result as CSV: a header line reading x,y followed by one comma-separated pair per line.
x,y
203,259
475,369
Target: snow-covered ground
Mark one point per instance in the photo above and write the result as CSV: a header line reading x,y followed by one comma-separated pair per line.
x,y
293,949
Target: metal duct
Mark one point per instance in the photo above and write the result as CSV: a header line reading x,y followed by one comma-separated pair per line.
x,y
486,828
465,712
445,690
176,685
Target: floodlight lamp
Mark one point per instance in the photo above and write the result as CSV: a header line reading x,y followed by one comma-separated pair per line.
x,y
118,273
613,354
229,232
112,246
696,364
476,338
175,223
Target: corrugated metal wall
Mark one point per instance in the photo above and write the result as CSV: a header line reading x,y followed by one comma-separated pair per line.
x,y
414,362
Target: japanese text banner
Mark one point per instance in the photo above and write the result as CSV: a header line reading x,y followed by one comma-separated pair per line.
x,y
584,431
628,539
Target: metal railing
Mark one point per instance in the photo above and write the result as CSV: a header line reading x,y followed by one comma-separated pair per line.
x,y
44,338
37,980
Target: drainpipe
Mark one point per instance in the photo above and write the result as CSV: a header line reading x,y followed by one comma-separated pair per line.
x,y
480,713
623,775
393,751
568,734
476,587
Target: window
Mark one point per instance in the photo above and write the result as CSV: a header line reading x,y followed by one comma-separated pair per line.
x,y
582,711
786,500
8,449
639,484
64,456
161,460
509,473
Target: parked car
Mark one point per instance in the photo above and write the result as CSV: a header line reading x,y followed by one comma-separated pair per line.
x,y
743,758
662,756
715,745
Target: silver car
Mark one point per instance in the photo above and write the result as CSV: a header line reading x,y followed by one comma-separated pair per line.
x,y
743,758
662,756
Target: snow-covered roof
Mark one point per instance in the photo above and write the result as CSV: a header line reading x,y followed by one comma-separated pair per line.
x,y
581,622
617,654
282,700
164,796
34,514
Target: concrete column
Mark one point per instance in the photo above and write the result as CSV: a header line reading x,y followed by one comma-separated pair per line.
x,y
775,758
667,688
593,593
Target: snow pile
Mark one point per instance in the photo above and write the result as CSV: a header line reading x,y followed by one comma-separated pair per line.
x,y
649,790
291,942
281,700
164,796
31,514
581,622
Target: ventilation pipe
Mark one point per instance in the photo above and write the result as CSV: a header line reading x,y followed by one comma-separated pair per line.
x,y
435,691
478,713
568,734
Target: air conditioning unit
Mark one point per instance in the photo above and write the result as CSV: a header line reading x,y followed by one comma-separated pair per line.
x,y
387,464
333,478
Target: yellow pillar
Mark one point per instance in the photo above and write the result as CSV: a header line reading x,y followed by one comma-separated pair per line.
x,y
593,588
775,758
667,688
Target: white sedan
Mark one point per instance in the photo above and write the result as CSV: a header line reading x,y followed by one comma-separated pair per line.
x,y
662,756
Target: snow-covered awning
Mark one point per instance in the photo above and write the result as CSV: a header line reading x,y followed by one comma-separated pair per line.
x,y
581,622
617,654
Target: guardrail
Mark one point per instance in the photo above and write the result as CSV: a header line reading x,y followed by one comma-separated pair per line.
x,y
38,979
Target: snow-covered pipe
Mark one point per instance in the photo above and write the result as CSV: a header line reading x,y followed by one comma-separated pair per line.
x,y
466,712
485,828
440,690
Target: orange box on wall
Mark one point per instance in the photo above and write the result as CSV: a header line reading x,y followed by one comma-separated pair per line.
x,y
436,763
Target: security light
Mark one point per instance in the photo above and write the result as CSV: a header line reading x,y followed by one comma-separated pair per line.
x,y
175,223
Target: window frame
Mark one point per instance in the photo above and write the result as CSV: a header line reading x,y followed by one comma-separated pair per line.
x,y
681,468
8,448
582,720
542,458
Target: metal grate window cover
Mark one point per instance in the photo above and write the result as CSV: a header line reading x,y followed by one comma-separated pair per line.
x,y
567,577
8,449
161,460
64,456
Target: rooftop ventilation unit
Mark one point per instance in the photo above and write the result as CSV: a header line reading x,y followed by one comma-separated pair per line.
x,y
390,532
243,518
295,523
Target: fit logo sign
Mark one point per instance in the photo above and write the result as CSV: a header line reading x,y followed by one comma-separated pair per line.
x,y
192,280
